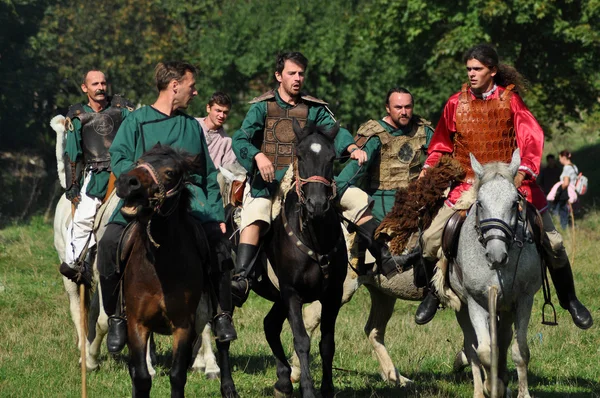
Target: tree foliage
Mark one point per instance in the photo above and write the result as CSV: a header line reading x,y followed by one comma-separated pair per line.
x,y
358,49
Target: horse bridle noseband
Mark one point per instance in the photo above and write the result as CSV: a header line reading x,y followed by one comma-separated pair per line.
x,y
299,182
509,235
159,199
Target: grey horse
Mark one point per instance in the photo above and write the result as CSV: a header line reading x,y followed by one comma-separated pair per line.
x,y
497,265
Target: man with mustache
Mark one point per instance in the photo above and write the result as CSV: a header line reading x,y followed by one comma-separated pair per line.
x,y
265,134
489,119
394,145
164,122
91,128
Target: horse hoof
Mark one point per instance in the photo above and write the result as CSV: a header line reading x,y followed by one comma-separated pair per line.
x,y
212,375
279,394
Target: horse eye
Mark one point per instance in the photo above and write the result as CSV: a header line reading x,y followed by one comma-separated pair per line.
x,y
169,173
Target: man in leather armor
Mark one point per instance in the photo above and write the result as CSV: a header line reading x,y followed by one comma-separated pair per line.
x,y
264,145
395,147
91,128
164,122
489,119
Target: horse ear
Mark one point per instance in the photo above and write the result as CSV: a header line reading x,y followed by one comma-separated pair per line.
x,y
476,166
515,162
196,164
332,132
157,145
300,132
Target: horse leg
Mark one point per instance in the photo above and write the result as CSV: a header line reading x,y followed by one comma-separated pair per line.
x,y
331,309
312,318
183,340
205,360
505,335
520,349
97,329
273,324
382,307
137,338
227,385
301,341
151,355
73,295
476,336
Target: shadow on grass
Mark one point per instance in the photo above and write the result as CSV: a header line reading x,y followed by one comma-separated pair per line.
x,y
253,364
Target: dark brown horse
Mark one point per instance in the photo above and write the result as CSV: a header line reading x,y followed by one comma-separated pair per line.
x,y
306,248
166,270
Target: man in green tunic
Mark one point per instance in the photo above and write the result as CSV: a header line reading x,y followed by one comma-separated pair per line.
x,y
264,146
164,122
91,128
396,146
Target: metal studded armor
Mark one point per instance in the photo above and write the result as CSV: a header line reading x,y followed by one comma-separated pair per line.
x,y
399,160
279,140
485,129
98,130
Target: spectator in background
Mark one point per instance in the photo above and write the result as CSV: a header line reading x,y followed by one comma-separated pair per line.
x,y
219,143
550,174
565,192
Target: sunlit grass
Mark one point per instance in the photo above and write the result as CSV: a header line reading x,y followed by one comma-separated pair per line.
x,y
38,356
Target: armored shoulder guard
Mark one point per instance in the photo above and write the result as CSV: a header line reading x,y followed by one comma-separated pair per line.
x,y
121,102
419,121
75,111
309,98
263,97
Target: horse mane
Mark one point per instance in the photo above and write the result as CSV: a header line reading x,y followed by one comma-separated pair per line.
x,y
491,171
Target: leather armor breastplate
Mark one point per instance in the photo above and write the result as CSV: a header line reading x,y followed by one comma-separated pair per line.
x,y
279,137
399,160
485,129
98,130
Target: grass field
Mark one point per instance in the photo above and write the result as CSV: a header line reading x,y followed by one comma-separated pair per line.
x,y
38,356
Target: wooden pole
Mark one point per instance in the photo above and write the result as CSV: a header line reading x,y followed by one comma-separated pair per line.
x,y
572,234
83,339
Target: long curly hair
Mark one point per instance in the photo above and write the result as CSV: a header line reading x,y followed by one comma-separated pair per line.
x,y
506,74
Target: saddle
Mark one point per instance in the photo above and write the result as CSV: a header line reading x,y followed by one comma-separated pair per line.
x,y
451,234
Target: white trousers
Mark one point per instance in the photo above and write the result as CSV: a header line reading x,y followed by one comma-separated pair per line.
x,y
82,224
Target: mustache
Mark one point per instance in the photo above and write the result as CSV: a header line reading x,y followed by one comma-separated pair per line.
x,y
100,92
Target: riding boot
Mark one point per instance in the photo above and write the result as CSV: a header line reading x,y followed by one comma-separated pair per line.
x,y
389,264
430,304
565,290
117,325
242,283
223,322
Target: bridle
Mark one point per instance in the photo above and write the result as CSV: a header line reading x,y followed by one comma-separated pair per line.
x,y
300,182
509,233
158,200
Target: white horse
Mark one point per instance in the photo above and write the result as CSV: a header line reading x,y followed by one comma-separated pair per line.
x,y
384,294
205,361
497,264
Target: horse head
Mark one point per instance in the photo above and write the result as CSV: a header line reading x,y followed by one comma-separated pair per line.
x,y
315,153
159,175
497,207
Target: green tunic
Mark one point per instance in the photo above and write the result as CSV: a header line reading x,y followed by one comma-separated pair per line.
x,y
254,123
146,127
352,174
99,180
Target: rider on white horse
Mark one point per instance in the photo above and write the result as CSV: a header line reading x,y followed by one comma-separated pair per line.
x,y
489,119
91,129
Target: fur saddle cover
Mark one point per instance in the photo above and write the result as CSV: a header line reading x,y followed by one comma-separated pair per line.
x,y
416,205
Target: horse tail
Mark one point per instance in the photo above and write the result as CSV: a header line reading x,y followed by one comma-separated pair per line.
x,y
492,302
58,125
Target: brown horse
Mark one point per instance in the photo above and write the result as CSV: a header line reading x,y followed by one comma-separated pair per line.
x,y
166,268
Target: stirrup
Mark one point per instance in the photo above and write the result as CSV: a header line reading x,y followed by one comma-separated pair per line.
x,y
544,321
